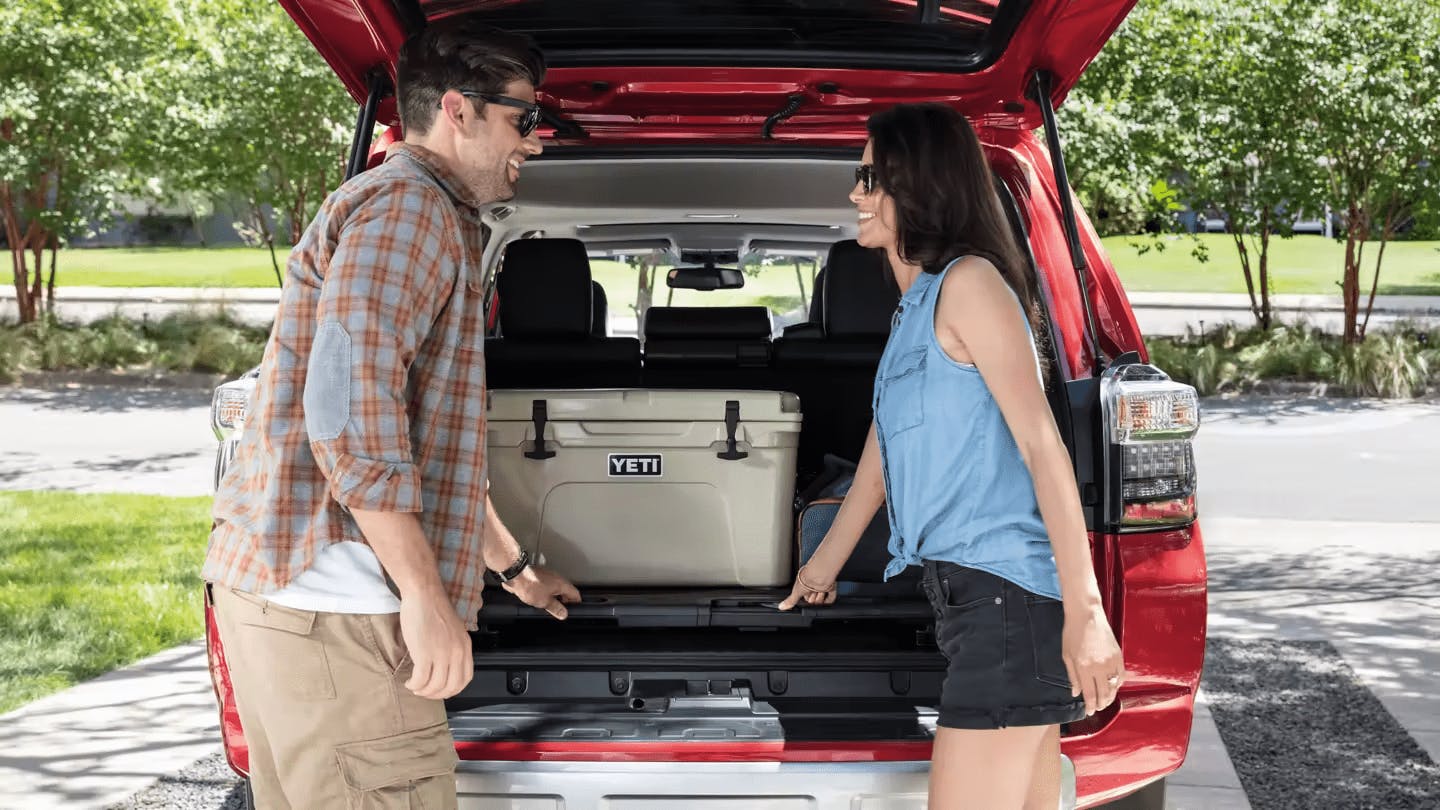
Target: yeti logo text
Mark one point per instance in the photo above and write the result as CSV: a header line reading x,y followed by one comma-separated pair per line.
x,y
644,466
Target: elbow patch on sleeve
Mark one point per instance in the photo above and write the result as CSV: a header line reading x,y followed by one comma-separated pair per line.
x,y
327,383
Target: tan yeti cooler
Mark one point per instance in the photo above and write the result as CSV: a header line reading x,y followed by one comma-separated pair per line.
x,y
640,487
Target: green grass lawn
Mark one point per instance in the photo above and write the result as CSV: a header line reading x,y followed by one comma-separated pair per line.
x,y
1302,264
89,583
162,267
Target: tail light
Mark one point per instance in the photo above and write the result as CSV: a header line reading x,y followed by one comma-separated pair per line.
x,y
229,405
1150,422
228,409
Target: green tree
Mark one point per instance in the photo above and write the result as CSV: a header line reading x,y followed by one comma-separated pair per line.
x,y
77,76
1120,124
262,118
1248,153
1373,92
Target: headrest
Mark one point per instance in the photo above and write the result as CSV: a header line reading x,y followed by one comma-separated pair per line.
x,y
707,323
859,295
545,289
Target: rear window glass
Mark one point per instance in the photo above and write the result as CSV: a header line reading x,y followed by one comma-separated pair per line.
x,y
954,34
781,281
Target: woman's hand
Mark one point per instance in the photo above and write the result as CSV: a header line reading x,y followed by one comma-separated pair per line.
x,y
813,587
1092,658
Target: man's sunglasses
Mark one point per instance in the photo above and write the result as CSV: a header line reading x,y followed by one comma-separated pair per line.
x,y
865,176
529,120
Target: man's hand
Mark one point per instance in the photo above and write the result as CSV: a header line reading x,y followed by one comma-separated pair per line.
x,y
438,644
542,588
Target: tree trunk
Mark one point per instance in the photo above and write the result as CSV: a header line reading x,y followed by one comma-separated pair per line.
x,y
268,236
800,279
1385,235
50,287
1350,281
1244,251
24,311
1266,313
297,218
37,243
644,291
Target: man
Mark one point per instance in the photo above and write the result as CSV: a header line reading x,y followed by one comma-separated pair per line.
x,y
346,562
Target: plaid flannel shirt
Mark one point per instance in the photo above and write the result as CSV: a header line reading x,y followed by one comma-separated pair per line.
x,y
372,388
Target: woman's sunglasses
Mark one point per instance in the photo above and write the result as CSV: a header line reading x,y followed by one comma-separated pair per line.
x,y
865,176
529,120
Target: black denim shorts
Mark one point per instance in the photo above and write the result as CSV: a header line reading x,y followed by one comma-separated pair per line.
x,y
1003,647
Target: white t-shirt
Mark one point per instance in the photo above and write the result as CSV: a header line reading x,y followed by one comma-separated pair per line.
x,y
345,578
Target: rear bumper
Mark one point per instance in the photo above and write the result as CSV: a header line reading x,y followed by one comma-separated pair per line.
x,y
708,786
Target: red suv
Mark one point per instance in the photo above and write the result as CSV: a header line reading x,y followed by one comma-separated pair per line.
x,y
726,132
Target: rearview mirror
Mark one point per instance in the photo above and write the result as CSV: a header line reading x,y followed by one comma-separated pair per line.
x,y
705,278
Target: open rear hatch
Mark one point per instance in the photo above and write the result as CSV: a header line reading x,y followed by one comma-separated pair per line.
x,y
706,664
738,71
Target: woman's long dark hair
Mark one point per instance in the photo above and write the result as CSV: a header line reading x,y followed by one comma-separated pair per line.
x,y
929,160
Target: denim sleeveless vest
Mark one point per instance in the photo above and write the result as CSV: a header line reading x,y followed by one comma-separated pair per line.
x,y
956,487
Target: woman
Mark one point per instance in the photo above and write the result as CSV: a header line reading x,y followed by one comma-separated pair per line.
x,y
965,452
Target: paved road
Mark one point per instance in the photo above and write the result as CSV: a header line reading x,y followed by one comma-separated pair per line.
x,y
107,439
1319,459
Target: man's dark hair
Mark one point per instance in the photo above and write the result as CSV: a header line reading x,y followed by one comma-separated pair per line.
x,y
460,54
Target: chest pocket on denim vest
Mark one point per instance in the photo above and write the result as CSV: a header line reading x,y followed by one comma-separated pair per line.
x,y
902,400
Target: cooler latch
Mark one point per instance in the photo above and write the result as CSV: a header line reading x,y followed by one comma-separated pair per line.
x,y
732,422
538,417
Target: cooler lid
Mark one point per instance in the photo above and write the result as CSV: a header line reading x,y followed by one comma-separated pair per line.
x,y
642,405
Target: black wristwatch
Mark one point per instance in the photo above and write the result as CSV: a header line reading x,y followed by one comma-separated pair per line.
x,y
515,570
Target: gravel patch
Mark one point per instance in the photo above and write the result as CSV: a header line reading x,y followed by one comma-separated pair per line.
x,y
1303,732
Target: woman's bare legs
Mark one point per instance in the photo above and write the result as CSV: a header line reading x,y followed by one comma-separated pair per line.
x,y
1045,778
995,769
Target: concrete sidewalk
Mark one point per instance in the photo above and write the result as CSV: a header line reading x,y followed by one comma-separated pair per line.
x,y
1198,302
97,743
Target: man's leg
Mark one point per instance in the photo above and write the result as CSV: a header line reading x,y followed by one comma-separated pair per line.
x,y
328,691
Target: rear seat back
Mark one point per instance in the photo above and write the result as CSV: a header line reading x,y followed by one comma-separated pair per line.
x,y
707,347
835,373
546,337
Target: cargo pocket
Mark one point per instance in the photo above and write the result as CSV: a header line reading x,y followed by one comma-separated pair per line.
x,y
297,663
410,771
1045,621
902,401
